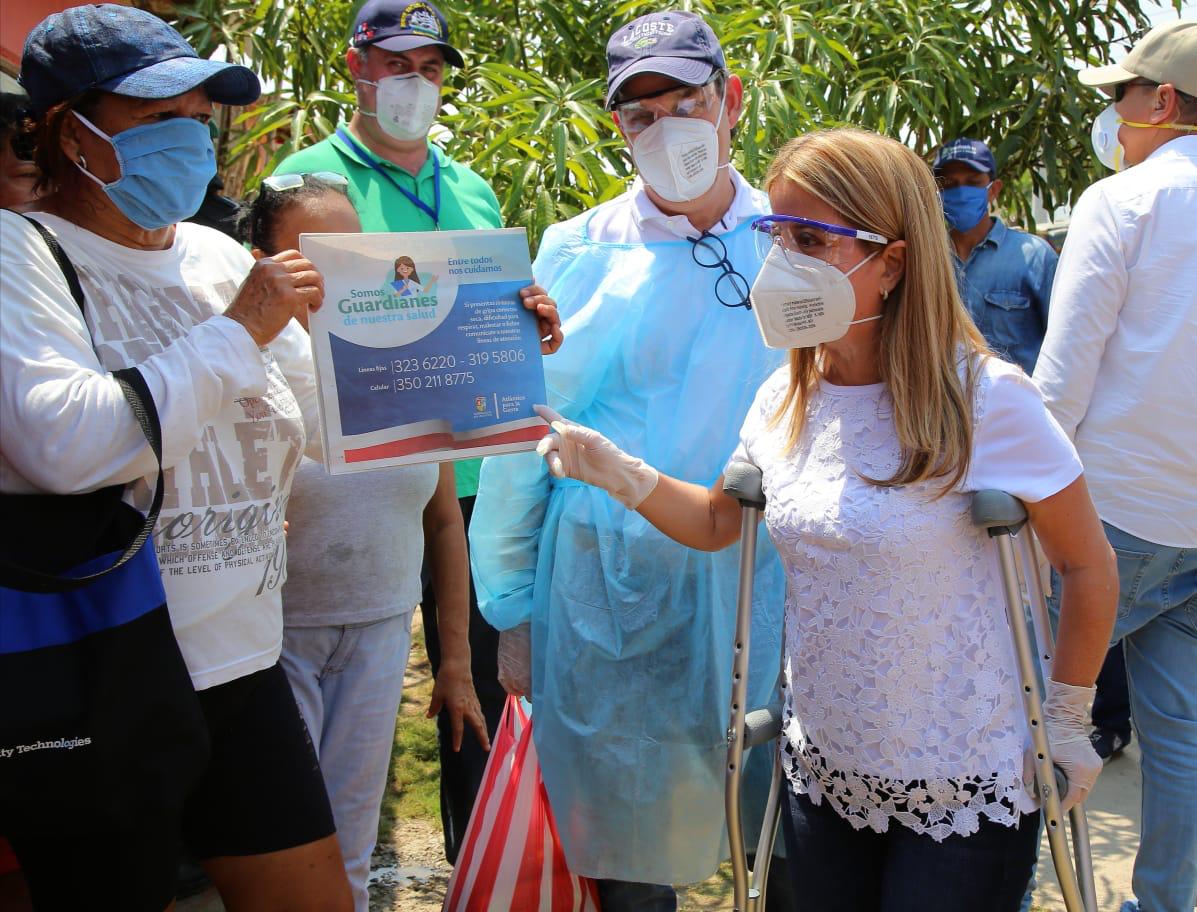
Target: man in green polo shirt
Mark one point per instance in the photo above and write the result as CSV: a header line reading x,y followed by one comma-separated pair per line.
x,y
399,181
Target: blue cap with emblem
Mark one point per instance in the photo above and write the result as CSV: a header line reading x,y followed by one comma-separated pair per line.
x,y
674,44
971,152
403,25
124,51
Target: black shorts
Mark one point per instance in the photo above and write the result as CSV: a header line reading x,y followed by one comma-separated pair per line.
x,y
261,791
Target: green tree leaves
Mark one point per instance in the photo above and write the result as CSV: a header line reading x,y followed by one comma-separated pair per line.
x,y
527,111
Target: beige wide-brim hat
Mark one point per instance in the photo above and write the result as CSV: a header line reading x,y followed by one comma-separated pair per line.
x,y
1166,54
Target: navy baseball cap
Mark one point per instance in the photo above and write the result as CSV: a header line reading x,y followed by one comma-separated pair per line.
x,y
674,44
971,152
125,51
403,25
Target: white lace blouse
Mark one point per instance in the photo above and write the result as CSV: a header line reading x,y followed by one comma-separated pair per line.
x,y
903,698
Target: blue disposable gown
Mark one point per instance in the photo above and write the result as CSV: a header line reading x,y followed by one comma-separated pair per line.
x,y
632,633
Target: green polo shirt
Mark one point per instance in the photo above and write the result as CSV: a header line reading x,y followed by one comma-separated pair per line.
x,y
466,202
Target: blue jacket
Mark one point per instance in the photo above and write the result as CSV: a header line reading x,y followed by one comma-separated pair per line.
x,y
1006,283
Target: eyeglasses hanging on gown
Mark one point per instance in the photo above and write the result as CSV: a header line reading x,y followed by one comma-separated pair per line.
x,y
731,288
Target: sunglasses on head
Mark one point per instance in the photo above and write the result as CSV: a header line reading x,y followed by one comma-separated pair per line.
x,y
281,182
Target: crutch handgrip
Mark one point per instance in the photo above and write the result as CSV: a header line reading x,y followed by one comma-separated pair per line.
x,y
1061,782
742,480
762,725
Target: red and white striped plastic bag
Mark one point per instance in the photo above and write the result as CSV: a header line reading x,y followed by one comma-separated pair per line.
x,y
511,857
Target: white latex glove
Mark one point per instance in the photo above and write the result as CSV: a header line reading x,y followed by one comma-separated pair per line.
x,y
515,660
1066,721
575,451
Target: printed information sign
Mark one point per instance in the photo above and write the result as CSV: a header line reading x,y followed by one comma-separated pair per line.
x,y
423,349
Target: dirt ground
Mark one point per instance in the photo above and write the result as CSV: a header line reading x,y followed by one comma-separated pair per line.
x,y
411,872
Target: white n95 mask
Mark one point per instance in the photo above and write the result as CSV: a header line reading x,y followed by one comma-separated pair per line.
x,y
679,156
800,301
1105,139
1110,152
405,105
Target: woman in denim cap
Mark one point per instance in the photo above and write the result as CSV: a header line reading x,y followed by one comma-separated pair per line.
x,y
121,106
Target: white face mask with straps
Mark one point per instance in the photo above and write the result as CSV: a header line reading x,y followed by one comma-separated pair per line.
x,y
1108,147
679,156
405,105
800,301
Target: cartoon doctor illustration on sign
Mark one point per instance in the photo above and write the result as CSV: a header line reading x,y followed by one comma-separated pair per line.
x,y
407,280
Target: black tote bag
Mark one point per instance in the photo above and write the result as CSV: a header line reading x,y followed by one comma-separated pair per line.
x,y
100,727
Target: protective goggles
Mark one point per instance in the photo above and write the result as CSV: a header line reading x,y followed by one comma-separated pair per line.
x,y
280,182
639,114
820,240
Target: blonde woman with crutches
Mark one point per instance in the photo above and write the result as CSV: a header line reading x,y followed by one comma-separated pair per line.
x,y
904,740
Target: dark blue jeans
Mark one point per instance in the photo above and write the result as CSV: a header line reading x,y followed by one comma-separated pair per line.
x,y
626,896
838,869
1111,706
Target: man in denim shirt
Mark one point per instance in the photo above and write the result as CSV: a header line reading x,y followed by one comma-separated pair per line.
x,y
1005,275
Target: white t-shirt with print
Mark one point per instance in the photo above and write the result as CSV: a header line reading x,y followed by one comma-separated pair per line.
x,y
903,700
233,430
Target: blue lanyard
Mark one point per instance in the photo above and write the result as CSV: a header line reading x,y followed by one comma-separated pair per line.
x,y
433,211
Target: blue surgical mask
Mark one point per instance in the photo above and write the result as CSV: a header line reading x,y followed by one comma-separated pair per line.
x,y
965,206
165,170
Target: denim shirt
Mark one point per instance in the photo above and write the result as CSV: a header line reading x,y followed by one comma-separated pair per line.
x,y
1006,283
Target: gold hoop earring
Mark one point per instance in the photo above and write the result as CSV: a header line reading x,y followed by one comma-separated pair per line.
x,y
884,294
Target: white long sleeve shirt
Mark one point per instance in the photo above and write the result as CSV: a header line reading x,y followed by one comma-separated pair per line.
x,y
1118,367
232,415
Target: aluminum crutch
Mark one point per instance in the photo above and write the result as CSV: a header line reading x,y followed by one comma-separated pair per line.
x,y
748,729
1003,516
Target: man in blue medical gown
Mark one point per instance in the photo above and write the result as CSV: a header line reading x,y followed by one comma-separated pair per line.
x,y
631,634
